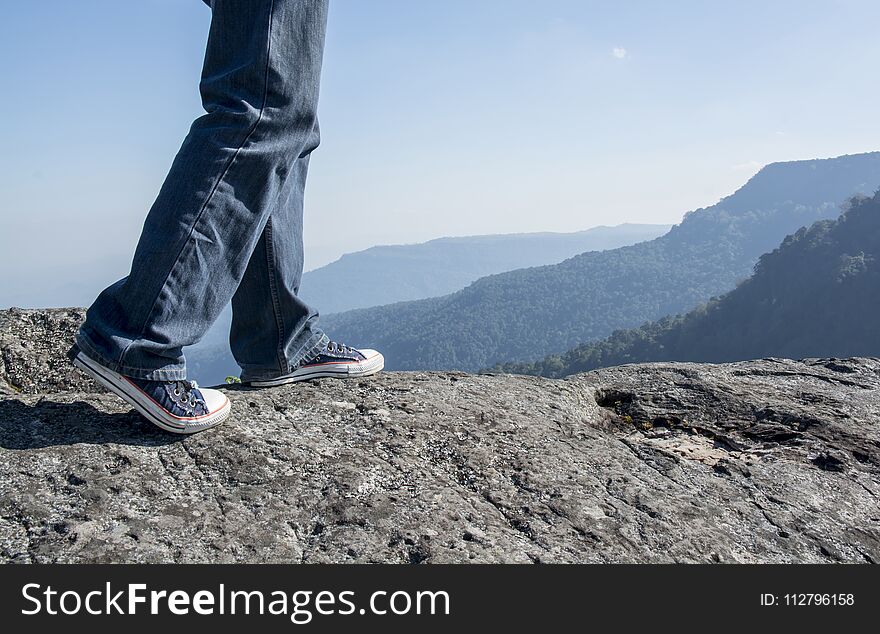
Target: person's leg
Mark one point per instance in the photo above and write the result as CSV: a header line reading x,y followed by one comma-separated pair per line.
x,y
283,344
260,90
272,328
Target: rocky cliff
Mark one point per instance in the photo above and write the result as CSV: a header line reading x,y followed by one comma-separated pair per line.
x,y
760,461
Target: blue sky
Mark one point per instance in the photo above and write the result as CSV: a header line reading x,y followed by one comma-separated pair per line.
x,y
438,118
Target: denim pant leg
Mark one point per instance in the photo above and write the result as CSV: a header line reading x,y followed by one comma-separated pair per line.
x,y
271,341
259,89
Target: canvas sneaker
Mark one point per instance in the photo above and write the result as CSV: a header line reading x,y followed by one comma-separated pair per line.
x,y
335,360
180,407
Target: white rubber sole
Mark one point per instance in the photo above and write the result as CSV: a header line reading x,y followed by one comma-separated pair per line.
x,y
369,366
128,392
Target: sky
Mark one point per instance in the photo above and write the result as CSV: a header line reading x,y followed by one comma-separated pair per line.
x,y
438,118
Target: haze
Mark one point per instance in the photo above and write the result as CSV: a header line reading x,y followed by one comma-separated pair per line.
x,y
438,118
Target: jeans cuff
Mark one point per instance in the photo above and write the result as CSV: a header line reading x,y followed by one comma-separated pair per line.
x,y
170,372
311,348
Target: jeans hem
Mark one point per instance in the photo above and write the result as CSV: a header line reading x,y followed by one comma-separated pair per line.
x,y
259,373
171,372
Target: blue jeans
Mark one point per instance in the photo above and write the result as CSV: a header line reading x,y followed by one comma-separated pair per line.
x,y
227,223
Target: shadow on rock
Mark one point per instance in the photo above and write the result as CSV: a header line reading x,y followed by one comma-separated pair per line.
x,y
48,423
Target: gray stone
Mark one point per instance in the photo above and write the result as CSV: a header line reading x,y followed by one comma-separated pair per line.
x,y
760,461
33,347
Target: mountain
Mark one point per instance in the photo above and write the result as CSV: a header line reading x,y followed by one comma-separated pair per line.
x,y
402,272
533,312
414,271
817,295
768,461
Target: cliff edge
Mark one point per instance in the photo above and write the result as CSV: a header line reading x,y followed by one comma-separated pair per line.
x,y
760,461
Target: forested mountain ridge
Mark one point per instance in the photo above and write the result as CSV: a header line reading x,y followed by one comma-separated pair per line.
x,y
817,295
529,313
416,271
402,272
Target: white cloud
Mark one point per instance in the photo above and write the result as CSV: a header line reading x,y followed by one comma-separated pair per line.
x,y
619,52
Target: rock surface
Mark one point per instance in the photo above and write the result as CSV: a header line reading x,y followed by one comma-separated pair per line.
x,y
763,461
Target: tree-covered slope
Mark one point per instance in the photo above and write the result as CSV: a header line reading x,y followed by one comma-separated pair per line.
x,y
533,312
385,274
403,272
817,295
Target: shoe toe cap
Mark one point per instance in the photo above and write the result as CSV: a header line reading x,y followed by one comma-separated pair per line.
x,y
373,362
215,400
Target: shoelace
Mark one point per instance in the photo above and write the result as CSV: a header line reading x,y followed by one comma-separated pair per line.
x,y
185,389
333,346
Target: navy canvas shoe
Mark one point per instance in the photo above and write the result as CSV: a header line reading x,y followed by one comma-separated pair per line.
x,y
335,360
180,407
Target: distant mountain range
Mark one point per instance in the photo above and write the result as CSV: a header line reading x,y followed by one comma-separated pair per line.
x,y
533,312
817,295
401,272
392,273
